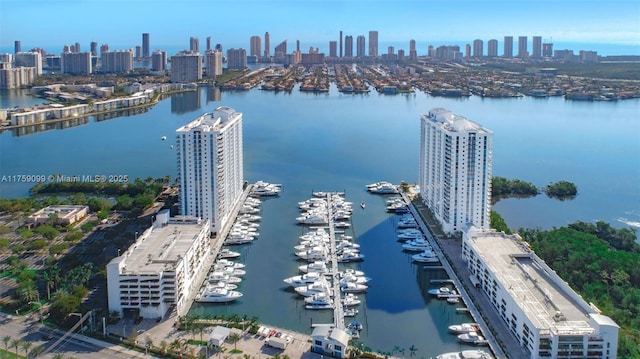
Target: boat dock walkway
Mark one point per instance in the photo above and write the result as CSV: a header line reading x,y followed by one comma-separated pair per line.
x,y
338,314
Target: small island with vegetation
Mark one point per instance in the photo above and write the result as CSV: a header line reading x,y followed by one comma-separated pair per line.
x,y
505,188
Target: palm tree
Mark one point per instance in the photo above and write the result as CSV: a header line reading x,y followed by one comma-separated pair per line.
x,y
201,331
234,338
26,346
175,345
6,339
148,344
58,356
412,350
16,344
163,347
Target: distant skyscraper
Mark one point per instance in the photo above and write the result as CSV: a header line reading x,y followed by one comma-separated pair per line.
x,y
186,67
159,61
455,170
94,49
373,43
536,51
29,59
413,54
210,166
360,46
348,46
298,45
522,47
492,48
508,47
333,48
104,48
76,63
255,46
194,44
209,43
281,50
117,61
138,52
213,63
267,52
467,51
17,47
547,49
340,43
146,53
76,48
236,58
478,48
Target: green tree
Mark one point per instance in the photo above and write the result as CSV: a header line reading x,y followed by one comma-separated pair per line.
x,y
26,346
234,338
47,232
6,340
15,344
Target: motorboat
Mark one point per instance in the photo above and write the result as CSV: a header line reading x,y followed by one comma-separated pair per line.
x,y
355,325
228,263
227,253
464,328
163,138
345,244
248,210
249,217
312,218
428,256
350,312
410,233
317,266
453,300
308,245
417,245
304,279
314,254
373,186
384,188
262,188
466,354
350,278
363,205
406,221
218,296
350,256
227,286
319,301
349,287
350,271
238,239
232,272
472,338
342,224
313,288
442,291
350,300
217,276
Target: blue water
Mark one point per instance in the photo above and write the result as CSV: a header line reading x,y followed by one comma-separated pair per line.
x,y
341,142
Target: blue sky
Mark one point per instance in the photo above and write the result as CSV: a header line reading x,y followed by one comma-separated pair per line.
x,y
120,23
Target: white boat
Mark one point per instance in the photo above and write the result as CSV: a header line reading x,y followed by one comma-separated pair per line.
x,y
472,338
228,263
378,184
350,256
350,271
385,188
464,328
218,296
262,188
350,312
342,224
311,218
250,217
163,138
223,285
428,256
453,300
230,241
417,245
319,301
350,300
349,287
313,288
317,266
466,354
304,279
350,278
314,254
232,272
216,276
410,233
442,291
227,253
308,245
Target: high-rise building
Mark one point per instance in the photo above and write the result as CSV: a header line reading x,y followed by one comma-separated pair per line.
x,y
267,52
213,63
94,49
138,52
508,47
467,51
159,61
413,53
455,170
281,50
373,43
340,43
236,58
186,66
333,48
546,317
209,44
194,44
17,47
547,49
348,46
146,53
536,51
478,48
492,48
76,63
29,59
360,46
104,48
255,46
522,47
76,48
117,61
210,166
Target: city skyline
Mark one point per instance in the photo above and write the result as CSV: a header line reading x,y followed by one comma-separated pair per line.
x,y
316,23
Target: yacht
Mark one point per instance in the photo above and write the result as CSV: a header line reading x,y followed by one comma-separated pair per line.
x,y
350,256
442,291
304,279
218,296
464,328
227,253
417,245
308,245
249,217
317,266
472,338
385,188
349,287
350,278
230,271
313,288
228,263
220,285
216,276
319,301
314,254
350,300
350,312
238,239
428,256
410,233
466,354
262,188
312,218
342,224
350,271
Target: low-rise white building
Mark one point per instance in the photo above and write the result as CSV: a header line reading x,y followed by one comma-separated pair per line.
x,y
160,270
327,340
543,313
61,214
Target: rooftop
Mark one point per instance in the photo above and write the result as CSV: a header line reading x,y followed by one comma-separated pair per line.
x,y
546,300
211,121
452,122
